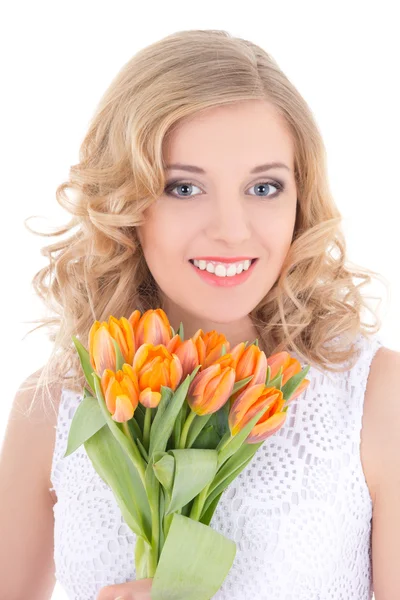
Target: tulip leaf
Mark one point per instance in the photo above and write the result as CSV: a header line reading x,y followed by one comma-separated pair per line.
x,y
181,332
116,469
240,384
166,397
87,421
139,415
208,514
293,383
164,470
276,382
229,471
193,470
164,420
223,485
208,438
233,444
223,350
142,450
268,375
85,362
194,562
120,360
162,522
142,551
255,343
220,419
196,427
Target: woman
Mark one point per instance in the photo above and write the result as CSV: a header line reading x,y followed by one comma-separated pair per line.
x,y
202,189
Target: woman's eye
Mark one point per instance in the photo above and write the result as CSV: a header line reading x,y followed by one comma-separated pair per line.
x,y
176,184
268,185
265,185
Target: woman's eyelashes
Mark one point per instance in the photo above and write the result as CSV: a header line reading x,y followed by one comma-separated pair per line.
x,y
263,184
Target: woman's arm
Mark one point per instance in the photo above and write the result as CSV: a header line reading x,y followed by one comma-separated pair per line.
x,y
382,433
26,506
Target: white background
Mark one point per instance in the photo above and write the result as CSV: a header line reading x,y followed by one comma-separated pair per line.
x,y
57,58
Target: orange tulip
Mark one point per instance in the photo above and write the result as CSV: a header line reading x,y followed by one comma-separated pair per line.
x,y
152,327
155,366
209,346
188,355
121,392
249,403
210,389
291,366
101,348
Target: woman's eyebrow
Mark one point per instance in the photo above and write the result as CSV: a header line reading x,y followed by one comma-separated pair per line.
x,y
258,169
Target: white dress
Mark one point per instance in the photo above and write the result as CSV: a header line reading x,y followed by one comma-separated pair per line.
x,y
300,512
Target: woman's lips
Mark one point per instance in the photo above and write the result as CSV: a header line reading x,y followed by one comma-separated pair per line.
x,y
214,280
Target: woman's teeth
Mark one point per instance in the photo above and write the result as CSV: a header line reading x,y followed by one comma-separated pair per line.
x,y
222,269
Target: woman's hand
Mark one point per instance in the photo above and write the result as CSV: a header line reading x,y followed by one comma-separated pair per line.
x,y
133,590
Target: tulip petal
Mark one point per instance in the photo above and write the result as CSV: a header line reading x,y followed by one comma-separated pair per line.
x,y
293,368
217,392
276,361
201,380
149,399
103,350
176,372
261,432
123,410
92,333
242,404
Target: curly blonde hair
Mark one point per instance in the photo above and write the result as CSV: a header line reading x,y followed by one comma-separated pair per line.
x,y
99,269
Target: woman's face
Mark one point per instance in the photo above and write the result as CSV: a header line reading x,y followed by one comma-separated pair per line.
x,y
221,210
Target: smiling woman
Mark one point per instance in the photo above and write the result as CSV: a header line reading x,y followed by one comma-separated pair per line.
x,y
202,189
233,218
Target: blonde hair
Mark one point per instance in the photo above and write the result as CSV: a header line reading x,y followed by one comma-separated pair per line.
x,y
99,269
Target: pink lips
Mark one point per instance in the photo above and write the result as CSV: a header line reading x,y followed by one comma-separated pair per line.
x,y
214,280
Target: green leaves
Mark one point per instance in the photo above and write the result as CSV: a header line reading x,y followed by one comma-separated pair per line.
x,y
87,421
184,473
85,362
194,561
116,469
167,413
225,475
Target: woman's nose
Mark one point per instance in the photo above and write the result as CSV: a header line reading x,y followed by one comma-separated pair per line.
x,y
229,221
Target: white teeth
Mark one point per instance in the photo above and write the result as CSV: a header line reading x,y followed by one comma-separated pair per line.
x,y
210,268
223,269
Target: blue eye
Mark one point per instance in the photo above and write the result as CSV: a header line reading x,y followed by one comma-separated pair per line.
x,y
188,184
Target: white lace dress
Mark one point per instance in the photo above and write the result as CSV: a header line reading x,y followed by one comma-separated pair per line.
x,y
300,512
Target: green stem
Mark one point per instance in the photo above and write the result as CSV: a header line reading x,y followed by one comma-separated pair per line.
x,y
137,429
198,503
155,529
128,443
147,426
185,429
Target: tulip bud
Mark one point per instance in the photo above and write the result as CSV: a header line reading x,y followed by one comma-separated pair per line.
x,y
155,367
101,348
153,327
210,389
121,392
249,403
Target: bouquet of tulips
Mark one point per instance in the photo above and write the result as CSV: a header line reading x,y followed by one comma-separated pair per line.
x,y
168,424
